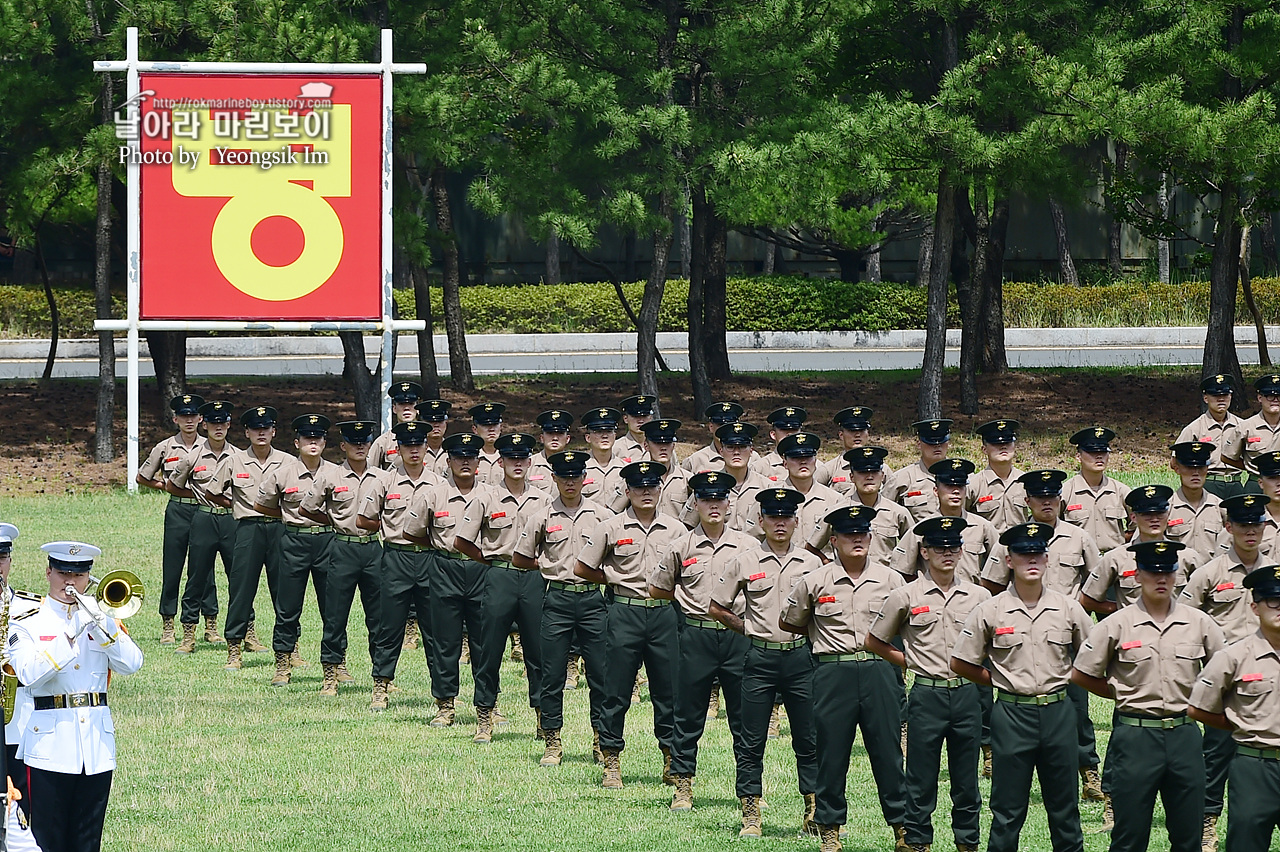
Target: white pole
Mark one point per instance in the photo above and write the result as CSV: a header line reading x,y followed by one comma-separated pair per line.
x,y
388,329
133,285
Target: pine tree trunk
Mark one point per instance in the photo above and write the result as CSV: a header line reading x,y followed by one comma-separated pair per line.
x,y
364,383
454,324
924,260
696,305
169,357
1267,241
1066,266
1246,287
994,357
770,261
715,296
553,258
929,403
971,302
1115,251
428,373
104,419
1224,272
1163,258
54,316
647,318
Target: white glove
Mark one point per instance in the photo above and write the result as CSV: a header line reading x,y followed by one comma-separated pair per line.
x,y
96,616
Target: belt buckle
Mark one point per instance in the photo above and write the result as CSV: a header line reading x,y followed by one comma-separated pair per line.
x,y
79,699
1166,724
1042,700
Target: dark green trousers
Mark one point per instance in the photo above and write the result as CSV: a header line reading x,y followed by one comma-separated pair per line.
x,y
1255,803
458,589
1147,761
1086,739
178,518
935,716
635,635
1219,754
512,595
302,556
352,566
787,675
569,620
1027,738
1223,490
847,696
211,536
405,580
257,548
1250,486
707,655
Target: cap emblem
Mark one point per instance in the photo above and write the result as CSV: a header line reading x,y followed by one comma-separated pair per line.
x,y
934,425
1099,432
261,411
946,523
1033,529
73,549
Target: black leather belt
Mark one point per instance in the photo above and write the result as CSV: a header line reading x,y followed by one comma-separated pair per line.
x,y
74,699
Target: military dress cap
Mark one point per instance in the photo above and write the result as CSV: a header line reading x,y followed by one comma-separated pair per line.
x,y
1268,464
261,417
644,474
216,412
866,459
952,471
1217,385
8,535
779,502
787,417
640,405
851,520
1149,499
1264,582
1031,537
412,432
405,391
1043,483
855,419
1268,384
998,431
358,431
187,403
1158,557
464,445
940,531
515,445
555,420
799,445
712,484
568,464
487,413
598,419
1095,439
736,434
434,410
723,412
933,431
1246,508
1193,453
311,425
74,557
661,431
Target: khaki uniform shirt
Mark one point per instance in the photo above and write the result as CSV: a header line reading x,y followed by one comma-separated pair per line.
x,y
1003,502
771,467
494,519
1073,556
1119,568
1266,547
165,455
384,451
340,492
929,621
837,609
436,513
979,539
1029,650
818,503
1206,430
195,471
889,525
627,449
1217,587
391,500
671,499
593,483
554,535
1252,439
693,566
765,580
1102,513
744,511
489,468
240,475
1243,681
540,474
285,487
912,487
834,473
627,552
1195,526
1152,667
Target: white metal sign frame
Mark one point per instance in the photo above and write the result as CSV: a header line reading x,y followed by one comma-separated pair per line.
x,y
132,324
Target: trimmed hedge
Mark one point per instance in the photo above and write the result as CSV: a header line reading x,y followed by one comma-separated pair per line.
x,y
24,312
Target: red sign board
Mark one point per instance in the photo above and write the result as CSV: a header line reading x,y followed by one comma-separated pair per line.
x,y
261,196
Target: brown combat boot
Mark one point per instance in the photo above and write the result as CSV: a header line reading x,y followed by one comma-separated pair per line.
x,y
900,838
539,733
1108,815
410,642
986,761
667,777
167,636
775,722
1209,834
329,687
517,650
635,691
282,669
295,658
751,817
445,714
713,706
1090,785
211,634
341,673
251,643
966,847
682,799
920,847
829,838
612,779
233,656
379,700
465,657
484,726
554,751
808,825
597,754
188,645
571,673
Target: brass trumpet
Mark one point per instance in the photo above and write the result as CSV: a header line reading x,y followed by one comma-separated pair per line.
x,y
119,594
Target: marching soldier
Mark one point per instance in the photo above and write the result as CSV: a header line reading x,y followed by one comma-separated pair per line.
x,y
20,603
891,522
912,486
1028,635
636,411
1091,499
600,428
180,511
355,554
404,401
853,426
1217,427
486,422
1195,515
709,652
834,607
1257,435
799,454
63,651
1268,465
783,423
709,457
659,445
927,614
777,663
951,477
994,494
573,611
621,553
735,443
555,424
435,413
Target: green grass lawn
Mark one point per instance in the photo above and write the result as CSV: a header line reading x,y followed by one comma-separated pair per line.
x,y
216,760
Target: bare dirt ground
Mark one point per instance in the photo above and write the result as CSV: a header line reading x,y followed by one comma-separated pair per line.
x,y
46,429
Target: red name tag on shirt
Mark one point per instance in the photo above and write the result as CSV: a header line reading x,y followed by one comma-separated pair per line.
x,y
556,528
839,479
626,541
438,514
627,459
985,499
198,469
539,476
1255,439
774,478
51,638
759,576
173,458
1003,631
340,489
1129,573
916,610
693,560
914,493
1222,587
1136,643
1075,507
1206,440
587,481
393,452
827,599
498,515
393,496
291,490
1176,521
242,476
1249,678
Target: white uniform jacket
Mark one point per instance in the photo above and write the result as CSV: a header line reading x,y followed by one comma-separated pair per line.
x,y
20,603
